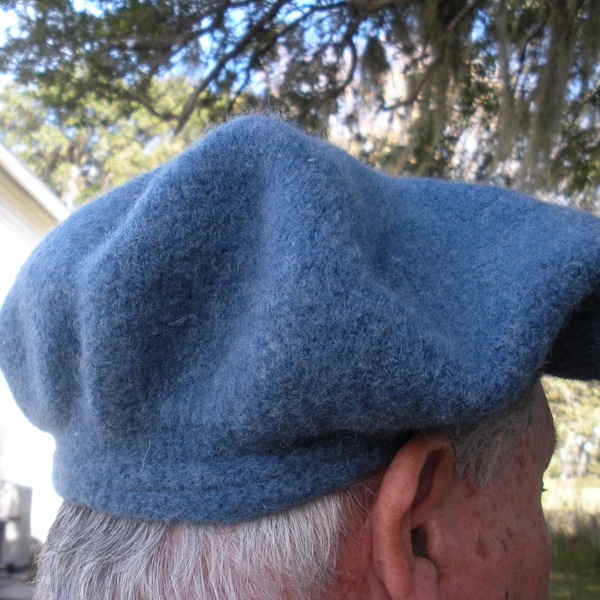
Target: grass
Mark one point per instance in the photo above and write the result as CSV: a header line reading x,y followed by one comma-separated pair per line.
x,y
575,568
572,506
574,586
573,512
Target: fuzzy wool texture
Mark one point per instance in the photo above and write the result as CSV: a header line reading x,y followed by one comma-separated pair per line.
x,y
263,319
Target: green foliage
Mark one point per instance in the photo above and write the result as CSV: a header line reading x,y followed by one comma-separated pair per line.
x,y
574,524
575,553
575,405
575,567
83,152
493,90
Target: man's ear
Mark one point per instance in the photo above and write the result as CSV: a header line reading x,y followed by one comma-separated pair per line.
x,y
406,523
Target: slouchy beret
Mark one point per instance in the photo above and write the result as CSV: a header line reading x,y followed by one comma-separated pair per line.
x,y
262,320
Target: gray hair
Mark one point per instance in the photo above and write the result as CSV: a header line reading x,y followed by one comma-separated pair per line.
x,y
91,555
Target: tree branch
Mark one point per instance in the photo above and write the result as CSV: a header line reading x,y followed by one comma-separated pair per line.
x,y
436,61
222,62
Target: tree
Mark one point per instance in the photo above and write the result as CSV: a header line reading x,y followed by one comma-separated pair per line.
x,y
521,77
85,151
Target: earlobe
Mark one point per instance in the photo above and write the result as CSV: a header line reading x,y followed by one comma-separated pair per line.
x,y
405,518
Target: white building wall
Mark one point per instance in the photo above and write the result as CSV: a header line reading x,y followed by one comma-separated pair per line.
x,y
28,210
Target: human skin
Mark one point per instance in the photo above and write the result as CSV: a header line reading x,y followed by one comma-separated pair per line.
x,y
430,534
499,545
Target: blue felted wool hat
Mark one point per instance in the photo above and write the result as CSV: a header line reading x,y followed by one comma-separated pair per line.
x,y
261,320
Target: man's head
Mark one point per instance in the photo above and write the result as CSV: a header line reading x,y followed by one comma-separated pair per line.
x,y
429,525
264,322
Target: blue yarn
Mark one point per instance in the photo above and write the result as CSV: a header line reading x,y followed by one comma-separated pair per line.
x,y
263,319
